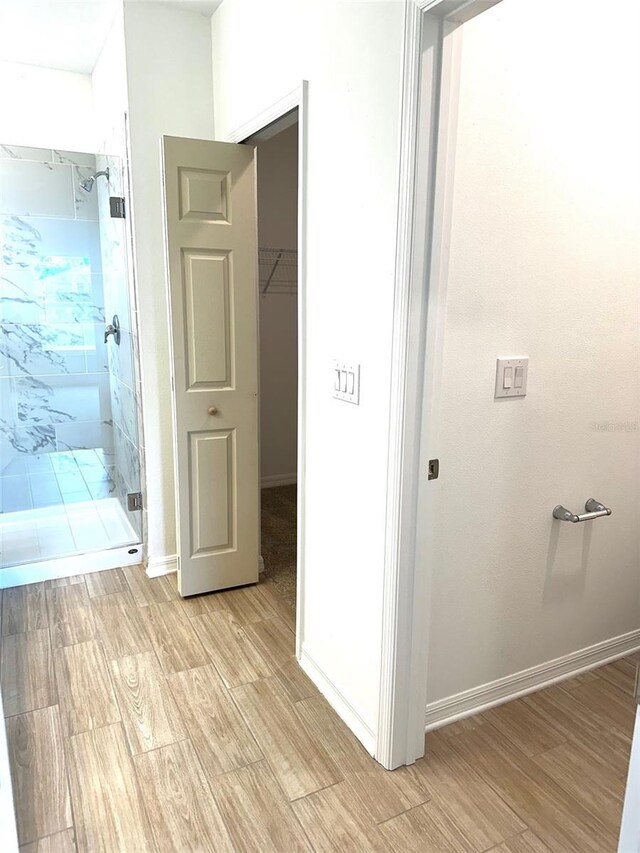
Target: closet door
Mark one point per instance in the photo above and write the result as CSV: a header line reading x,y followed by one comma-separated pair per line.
x,y
211,227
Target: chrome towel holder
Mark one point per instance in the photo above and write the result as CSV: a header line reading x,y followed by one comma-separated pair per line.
x,y
593,509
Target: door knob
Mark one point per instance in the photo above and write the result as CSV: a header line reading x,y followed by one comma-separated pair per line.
x,y
212,410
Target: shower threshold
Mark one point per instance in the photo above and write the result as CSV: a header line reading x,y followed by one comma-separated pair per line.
x,y
63,540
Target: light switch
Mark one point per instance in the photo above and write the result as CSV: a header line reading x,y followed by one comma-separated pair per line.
x,y
511,377
519,377
346,384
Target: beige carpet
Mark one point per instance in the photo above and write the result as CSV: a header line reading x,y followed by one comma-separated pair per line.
x,y
279,539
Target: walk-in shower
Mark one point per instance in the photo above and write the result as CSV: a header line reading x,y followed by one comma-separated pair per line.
x,y
70,478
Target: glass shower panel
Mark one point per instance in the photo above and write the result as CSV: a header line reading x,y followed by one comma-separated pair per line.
x,y
61,468
122,348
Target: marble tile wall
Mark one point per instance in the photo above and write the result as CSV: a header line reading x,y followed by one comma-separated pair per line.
x,y
125,387
55,391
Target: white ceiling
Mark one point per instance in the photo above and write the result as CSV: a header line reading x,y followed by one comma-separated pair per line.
x,y
65,34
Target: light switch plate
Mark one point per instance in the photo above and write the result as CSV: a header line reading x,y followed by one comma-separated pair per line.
x,y
511,377
346,381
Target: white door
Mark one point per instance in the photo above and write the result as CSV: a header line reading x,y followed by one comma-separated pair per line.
x,y
630,829
211,226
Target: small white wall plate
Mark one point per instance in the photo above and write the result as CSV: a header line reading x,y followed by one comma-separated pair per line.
x,y
511,377
346,381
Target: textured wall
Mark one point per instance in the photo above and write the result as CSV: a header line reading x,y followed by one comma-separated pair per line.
x,y
351,55
44,106
544,263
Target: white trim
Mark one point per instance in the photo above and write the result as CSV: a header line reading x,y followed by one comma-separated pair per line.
x,y
629,839
394,688
260,564
270,114
455,11
270,481
339,704
478,699
297,98
157,567
64,567
303,136
429,100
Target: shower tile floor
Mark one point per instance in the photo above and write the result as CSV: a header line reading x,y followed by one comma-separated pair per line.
x,y
59,504
53,479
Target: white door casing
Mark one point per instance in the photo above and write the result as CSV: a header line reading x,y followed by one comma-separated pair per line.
x,y
211,244
629,841
427,142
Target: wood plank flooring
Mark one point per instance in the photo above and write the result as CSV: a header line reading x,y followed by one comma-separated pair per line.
x,y
137,721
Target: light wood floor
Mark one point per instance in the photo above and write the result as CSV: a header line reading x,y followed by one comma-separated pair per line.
x,y
138,721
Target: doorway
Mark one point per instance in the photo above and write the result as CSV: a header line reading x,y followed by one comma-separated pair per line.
x,y
277,196
70,473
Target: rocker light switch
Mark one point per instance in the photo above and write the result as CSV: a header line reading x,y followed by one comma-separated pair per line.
x,y
511,377
347,387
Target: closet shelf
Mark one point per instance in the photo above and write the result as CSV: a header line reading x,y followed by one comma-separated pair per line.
x,y
278,270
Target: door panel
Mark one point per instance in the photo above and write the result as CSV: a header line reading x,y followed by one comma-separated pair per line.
x,y
210,215
208,319
212,516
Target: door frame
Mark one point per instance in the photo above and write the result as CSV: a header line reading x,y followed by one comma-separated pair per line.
x,y
430,88
295,99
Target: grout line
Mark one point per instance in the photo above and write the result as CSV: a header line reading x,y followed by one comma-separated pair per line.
x,y
324,788
412,809
31,710
153,749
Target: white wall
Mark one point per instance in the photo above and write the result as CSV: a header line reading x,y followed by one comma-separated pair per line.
x,y
351,55
46,108
277,228
544,263
109,89
168,55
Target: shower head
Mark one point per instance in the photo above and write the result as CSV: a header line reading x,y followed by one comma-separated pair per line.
x,y
87,184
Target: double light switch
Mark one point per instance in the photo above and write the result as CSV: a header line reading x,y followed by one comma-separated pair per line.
x,y
511,377
346,381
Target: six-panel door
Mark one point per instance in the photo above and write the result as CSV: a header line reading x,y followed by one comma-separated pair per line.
x,y
210,215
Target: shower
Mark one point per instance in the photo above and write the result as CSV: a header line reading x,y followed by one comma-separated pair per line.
x,y
87,185
69,433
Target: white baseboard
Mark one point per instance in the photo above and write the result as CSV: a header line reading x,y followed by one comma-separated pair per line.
x,y
260,564
157,567
339,704
270,481
65,567
479,699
